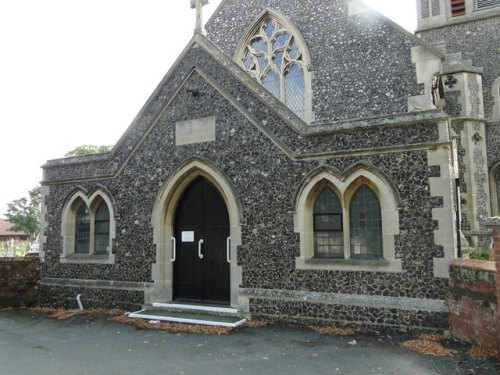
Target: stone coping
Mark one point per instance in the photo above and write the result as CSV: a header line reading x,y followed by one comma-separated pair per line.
x,y
492,222
482,265
20,259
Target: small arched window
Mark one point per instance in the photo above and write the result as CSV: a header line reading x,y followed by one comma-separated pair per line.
x,y
88,228
101,229
365,224
82,229
273,55
328,226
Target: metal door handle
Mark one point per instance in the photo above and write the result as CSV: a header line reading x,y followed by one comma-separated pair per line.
x,y
200,255
174,250
228,249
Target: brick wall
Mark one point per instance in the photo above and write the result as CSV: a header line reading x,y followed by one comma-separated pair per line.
x,y
496,242
19,281
472,302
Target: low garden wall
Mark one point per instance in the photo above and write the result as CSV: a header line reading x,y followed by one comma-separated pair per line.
x,y
472,301
19,281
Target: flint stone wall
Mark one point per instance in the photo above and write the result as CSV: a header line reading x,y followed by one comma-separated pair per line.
x,y
265,179
355,60
478,41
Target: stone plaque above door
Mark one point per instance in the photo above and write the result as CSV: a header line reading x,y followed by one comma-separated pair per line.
x,y
195,131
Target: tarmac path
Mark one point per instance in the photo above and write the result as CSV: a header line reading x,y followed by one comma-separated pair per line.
x,y
88,345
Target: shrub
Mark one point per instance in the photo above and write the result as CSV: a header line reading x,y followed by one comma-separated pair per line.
x,y
480,254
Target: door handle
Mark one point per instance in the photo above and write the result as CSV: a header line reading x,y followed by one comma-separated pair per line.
x,y
200,255
228,249
174,250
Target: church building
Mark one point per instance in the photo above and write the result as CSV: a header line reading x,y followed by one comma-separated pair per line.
x,y
302,161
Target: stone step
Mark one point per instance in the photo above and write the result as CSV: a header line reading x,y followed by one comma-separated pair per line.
x,y
219,310
188,317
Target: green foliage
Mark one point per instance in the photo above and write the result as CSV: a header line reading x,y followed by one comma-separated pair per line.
x,y
63,301
481,254
88,150
24,213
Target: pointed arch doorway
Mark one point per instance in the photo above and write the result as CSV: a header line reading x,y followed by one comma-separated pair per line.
x,y
201,228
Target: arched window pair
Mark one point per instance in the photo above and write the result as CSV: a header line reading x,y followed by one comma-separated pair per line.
x,y
88,227
274,53
92,229
347,222
364,225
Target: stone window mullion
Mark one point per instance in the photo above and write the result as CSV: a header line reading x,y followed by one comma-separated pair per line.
x,y
347,230
92,233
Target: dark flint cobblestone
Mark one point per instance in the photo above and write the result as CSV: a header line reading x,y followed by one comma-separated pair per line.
x,y
264,177
362,64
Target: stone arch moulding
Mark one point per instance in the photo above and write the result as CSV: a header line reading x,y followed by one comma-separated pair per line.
x,y
345,184
494,188
495,92
68,225
162,222
253,28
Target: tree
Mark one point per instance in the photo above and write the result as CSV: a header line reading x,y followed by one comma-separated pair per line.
x,y
24,213
88,149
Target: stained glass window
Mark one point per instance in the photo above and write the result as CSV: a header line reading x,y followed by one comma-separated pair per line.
x,y
101,229
328,226
365,224
82,230
273,57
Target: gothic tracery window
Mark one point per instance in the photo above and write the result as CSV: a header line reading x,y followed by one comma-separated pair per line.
x,y
273,57
101,229
82,229
365,224
88,228
328,226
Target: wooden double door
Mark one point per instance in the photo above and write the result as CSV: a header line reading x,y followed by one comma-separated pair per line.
x,y
201,230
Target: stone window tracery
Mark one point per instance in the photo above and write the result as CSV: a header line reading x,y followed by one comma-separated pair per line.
x,y
347,222
272,55
88,229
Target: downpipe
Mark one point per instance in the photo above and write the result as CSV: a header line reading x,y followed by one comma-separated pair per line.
x,y
78,299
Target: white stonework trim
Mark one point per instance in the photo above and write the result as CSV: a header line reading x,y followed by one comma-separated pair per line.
x,y
97,284
195,131
43,222
366,301
495,92
475,176
355,7
493,190
474,106
68,229
214,323
427,65
443,187
162,222
180,306
344,186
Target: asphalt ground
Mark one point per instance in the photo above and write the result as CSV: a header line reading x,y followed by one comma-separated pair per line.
x,y
94,345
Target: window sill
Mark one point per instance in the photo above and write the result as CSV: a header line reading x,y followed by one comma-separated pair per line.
x,y
367,265
88,259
